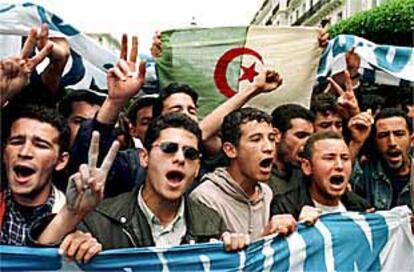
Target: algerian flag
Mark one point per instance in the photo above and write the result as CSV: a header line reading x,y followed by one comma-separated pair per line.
x,y
218,62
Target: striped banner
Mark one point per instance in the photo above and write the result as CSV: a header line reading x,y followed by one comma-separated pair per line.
x,y
380,64
89,61
338,242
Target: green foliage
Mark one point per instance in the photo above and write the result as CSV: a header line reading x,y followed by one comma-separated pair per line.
x,y
391,23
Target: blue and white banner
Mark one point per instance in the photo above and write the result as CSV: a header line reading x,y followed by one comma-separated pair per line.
x,y
380,64
338,242
89,61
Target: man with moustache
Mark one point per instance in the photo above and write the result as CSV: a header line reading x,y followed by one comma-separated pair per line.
x,y
385,180
236,193
327,168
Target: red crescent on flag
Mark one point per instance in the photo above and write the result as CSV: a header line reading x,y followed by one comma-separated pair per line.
x,y
221,68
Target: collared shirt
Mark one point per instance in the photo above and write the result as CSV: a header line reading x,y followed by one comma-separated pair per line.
x,y
169,235
16,225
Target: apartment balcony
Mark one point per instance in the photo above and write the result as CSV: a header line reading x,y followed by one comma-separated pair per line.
x,y
319,7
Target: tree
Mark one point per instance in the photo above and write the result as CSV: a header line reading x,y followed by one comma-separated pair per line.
x,y
391,23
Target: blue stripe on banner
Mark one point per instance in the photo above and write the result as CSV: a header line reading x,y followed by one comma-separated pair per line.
x,y
76,72
6,8
342,45
345,234
315,249
400,60
55,23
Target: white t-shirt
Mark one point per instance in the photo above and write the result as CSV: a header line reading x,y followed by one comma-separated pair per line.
x,y
330,209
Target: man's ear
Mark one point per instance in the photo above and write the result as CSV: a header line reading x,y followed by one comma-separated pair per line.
x,y
143,158
63,160
306,167
278,136
412,139
230,150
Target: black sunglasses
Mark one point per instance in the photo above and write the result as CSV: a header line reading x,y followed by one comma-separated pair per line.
x,y
170,148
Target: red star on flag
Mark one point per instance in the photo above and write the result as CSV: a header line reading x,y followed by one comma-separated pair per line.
x,y
248,73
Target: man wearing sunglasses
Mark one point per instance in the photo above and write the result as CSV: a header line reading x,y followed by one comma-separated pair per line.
x,y
124,84
154,214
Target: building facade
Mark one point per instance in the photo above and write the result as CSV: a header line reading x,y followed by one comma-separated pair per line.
x,y
309,12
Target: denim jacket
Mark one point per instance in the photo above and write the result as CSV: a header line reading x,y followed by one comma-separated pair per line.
x,y
371,182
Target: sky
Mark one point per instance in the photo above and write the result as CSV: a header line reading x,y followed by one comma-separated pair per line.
x,y
143,18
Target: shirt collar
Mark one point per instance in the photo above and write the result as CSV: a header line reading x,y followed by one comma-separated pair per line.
x,y
152,219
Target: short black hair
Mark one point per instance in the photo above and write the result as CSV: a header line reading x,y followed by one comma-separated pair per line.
x,y
392,112
171,89
65,105
42,114
170,120
318,136
324,103
282,116
137,105
230,129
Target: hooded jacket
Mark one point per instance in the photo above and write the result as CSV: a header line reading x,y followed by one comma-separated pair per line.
x,y
220,193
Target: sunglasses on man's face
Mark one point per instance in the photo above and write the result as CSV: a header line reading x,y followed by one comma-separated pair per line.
x,y
170,148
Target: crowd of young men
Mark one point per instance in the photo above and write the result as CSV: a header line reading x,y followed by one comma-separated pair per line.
x,y
290,166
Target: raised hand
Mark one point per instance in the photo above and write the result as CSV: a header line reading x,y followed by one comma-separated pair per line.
x,y
267,81
347,102
15,72
156,47
86,187
360,126
60,46
323,37
123,81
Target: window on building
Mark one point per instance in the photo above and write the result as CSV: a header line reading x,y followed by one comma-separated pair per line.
x,y
297,14
304,7
339,16
310,3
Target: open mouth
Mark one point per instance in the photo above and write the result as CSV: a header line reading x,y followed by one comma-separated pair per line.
x,y
175,176
394,153
337,180
23,171
266,163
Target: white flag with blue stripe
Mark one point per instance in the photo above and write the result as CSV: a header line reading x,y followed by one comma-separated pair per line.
x,y
350,241
380,64
89,61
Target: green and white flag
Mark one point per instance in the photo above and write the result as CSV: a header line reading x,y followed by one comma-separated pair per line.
x,y
218,62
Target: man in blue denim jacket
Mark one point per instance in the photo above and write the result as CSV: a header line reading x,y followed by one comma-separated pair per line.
x,y
385,179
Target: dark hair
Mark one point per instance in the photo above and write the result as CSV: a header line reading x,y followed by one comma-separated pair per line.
x,y
65,105
318,136
171,89
392,112
282,116
230,129
42,114
371,101
137,105
170,120
324,103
